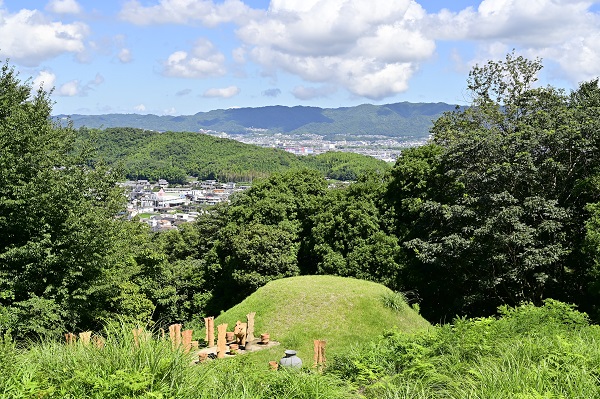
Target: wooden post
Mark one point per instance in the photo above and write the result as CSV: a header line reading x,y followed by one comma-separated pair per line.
x,y
70,338
319,353
85,337
250,327
98,341
175,335
221,342
210,331
137,332
187,340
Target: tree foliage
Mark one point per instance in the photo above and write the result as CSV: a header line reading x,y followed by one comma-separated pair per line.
x,y
176,155
494,212
59,242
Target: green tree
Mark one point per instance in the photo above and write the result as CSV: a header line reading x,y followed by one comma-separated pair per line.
x,y
352,234
59,238
496,214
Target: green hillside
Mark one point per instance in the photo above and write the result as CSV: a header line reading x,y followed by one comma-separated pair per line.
x,y
409,120
343,311
176,155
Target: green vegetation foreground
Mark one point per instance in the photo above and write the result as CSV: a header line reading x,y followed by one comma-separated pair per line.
x,y
501,208
529,353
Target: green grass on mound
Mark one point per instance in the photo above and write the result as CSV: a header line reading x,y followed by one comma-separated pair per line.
x,y
343,311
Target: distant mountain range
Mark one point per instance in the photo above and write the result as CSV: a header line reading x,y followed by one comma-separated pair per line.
x,y
391,120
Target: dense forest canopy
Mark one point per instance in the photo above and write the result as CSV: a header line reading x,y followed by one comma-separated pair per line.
x,y
500,207
174,156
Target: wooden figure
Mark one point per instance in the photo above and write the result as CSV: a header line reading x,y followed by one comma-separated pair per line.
x,y
98,341
240,333
175,335
70,338
187,340
210,330
221,342
250,328
319,353
85,337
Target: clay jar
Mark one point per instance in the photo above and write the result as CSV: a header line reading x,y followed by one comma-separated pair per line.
x,y
233,348
264,338
229,336
290,360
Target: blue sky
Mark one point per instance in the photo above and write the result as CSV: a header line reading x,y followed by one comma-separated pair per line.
x,y
180,57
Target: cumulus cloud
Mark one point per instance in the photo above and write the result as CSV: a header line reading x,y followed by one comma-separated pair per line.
x,y
206,12
271,92
562,30
64,7
76,88
139,108
45,80
28,37
203,62
372,48
226,92
70,89
309,93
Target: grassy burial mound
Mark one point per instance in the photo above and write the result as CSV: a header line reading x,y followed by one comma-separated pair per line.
x,y
343,311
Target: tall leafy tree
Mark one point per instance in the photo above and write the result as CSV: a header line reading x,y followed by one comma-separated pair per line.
x,y
497,214
352,233
59,240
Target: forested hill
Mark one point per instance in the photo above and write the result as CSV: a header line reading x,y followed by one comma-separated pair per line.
x,y
176,155
393,120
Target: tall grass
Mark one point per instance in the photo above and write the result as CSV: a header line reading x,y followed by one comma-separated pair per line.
x,y
548,352
151,369
529,353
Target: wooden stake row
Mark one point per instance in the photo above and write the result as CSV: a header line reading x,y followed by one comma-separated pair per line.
x,y
85,338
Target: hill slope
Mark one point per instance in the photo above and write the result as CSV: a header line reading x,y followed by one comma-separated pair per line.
x,y
392,120
344,311
176,155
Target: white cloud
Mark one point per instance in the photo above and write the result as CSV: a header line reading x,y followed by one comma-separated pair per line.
x,y
139,108
64,7
125,55
28,37
204,61
76,88
561,30
45,79
70,89
186,12
170,111
371,48
226,92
